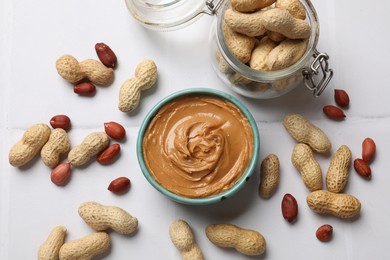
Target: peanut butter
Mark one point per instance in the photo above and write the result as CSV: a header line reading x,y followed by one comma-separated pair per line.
x,y
198,146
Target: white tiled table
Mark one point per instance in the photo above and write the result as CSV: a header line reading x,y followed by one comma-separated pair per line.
x,y
34,34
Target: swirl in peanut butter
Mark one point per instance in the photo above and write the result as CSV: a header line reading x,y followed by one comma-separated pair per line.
x,y
198,146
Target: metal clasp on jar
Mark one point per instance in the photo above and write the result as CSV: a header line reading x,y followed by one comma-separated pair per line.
x,y
213,6
320,61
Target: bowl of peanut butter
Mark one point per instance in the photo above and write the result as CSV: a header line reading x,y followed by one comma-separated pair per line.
x,y
198,146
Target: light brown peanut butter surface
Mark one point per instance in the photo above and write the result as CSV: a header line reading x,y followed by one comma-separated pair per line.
x,y
198,146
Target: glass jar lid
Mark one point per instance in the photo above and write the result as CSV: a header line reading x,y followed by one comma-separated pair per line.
x,y
170,14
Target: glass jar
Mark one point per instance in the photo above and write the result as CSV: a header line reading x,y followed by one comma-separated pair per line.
x,y
310,70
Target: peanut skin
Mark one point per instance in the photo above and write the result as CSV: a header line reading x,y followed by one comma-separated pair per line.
x,y
324,233
182,237
31,143
269,176
74,71
338,171
93,144
368,149
130,92
101,218
289,207
303,160
86,248
303,131
57,145
336,204
50,249
245,241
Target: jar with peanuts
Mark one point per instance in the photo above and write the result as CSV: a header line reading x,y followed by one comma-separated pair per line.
x,y
260,50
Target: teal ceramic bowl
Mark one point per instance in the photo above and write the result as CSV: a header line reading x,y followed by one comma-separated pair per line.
x,y
214,198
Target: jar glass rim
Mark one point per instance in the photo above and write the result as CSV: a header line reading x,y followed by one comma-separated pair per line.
x,y
257,75
166,15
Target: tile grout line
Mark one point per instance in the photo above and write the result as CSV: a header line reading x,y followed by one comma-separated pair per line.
x,y
348,120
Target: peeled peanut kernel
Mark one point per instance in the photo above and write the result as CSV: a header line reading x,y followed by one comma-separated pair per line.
x,y
289,208
368,149
362,168
333,112
119,185
106,55
324,233
60,121
109,154
341,97
115,130
84,88
61,174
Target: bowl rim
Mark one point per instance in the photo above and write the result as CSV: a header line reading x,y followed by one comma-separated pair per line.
x,y
217,197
